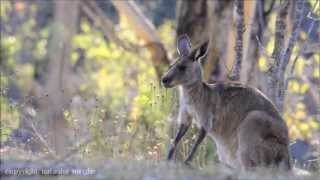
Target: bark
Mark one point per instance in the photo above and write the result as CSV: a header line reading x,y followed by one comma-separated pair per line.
x,y
146,31
218,14
239,39
192,20
228,63
51,116
250,44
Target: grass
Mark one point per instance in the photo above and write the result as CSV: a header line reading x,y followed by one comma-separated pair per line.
x,y
79,168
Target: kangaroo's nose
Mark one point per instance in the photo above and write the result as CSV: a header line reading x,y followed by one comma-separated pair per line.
x,y
165,80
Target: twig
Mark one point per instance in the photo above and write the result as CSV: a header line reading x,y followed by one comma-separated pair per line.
x,y
291,71
42,140
264,51
285,56
277,51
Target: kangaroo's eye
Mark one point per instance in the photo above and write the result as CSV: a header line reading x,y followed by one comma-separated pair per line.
x,y
182,68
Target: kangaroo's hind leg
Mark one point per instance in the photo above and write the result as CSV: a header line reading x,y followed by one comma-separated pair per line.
x,y
263,142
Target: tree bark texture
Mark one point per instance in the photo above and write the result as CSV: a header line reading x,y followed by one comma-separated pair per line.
x,y
218,14
51,117
239,39
250,44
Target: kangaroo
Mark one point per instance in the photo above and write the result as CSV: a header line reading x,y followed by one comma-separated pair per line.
x,y
248,130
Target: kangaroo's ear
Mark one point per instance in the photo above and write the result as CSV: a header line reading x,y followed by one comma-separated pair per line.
x,y
184,45
202,51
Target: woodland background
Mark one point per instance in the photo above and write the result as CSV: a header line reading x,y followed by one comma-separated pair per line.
x,y
80,79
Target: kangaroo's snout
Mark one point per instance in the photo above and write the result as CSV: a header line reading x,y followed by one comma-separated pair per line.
x,y
166,82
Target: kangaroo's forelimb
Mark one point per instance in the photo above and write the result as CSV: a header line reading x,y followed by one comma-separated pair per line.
x,y
201,135
181,132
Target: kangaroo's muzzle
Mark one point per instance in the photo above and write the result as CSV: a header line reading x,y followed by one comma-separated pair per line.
x,y
166,82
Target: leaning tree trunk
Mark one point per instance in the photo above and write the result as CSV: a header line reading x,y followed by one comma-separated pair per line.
x,y
146,31
51,117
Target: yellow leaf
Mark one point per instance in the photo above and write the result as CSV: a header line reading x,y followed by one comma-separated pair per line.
x,y
301,114
304,127
135,113
262,63
316,73
299,68
317,58
300,105
314,124
304,88
293,86
289,121
303,35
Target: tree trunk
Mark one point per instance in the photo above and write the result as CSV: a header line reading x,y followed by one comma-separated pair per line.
x,y
240,25
192,20
250,45
53,123
218,12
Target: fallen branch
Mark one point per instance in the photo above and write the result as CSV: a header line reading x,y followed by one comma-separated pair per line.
x,y
42,140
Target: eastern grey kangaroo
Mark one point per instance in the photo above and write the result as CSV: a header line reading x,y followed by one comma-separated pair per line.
x,y
248,130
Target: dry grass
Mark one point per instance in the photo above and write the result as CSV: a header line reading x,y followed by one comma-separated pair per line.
x,y
76,167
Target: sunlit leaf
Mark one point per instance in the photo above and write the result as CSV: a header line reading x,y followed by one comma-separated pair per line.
x,y
262,63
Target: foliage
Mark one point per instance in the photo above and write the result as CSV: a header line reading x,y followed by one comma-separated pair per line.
x,y
9,114
126,87
118,101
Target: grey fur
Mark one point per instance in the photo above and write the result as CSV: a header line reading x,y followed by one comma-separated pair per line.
x,y
248,130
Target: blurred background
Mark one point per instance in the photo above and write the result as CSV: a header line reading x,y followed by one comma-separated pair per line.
x,y
80,79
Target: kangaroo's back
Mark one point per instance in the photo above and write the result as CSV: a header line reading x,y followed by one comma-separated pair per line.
x,y
235,100
248,128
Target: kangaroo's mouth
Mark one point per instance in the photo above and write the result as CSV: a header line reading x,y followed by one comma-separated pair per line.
x,y
167,85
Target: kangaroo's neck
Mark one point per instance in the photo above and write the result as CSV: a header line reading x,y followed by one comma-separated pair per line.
x,y
193,93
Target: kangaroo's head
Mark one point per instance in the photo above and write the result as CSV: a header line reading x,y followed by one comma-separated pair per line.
x,y
187,69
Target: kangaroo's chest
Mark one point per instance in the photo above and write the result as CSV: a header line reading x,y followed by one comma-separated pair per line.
x,y
201,117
